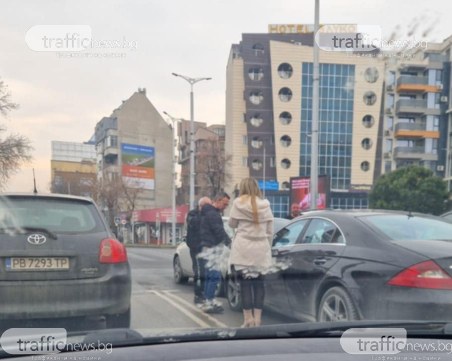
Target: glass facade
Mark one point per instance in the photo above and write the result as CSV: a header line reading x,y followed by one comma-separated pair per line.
x,y
279,203
335,122
349,201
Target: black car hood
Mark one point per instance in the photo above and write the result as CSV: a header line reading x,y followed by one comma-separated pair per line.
x,y
432,249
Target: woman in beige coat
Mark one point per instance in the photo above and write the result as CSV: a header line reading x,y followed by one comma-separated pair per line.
x,y
251,247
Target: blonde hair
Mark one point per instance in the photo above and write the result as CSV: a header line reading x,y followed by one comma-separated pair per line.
x,y
250,188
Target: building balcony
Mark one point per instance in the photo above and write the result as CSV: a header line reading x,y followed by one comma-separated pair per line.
x,y
411,83
414,153
111,150
415,106
414,130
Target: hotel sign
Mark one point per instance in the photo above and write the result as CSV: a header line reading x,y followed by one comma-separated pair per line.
x,y
290,28
309,28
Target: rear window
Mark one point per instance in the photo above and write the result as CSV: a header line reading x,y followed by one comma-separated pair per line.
x,y
404,227
55,215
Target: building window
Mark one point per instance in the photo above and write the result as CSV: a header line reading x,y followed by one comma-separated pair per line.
x,y
256,73
285,186
366,143
272,162
368,121
245,161
285,118
285,163
258,49
365,166
256,120
286,141
256,164
391,78
371,75
370,98
245,140
388,166
389,122
285,71
256,97
285,94
256,143
388,145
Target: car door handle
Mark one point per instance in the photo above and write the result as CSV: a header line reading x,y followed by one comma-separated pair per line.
x,y
319,261
279,252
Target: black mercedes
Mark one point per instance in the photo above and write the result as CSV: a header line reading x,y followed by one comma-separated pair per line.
x,y
366,264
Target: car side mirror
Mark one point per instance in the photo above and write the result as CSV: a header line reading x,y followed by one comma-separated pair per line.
x,y
281,242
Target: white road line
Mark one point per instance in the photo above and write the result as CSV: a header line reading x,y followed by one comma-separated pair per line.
x,y
187,313
189,305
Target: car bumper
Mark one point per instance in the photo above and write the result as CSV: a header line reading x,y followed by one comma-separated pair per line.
x,y
402,303
24,300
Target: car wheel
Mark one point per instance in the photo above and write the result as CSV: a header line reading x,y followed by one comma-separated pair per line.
x,y
178,273
337,305
121,320
233,294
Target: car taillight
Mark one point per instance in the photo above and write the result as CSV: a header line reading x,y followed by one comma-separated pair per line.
x,y
112,251
423,275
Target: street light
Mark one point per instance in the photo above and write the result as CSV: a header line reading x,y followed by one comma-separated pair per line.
x,y
315,115
173,197
191,81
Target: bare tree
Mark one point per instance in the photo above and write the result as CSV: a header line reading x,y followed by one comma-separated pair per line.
x,y
211,167
14,148
115,196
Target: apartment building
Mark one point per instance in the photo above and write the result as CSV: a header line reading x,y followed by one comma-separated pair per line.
x,y
417,116
269,116
133,146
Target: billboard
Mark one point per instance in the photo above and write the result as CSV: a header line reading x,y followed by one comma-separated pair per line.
x,y
138,170
300,196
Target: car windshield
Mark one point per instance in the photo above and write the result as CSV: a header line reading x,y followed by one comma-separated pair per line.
x,y
54,215
409,227
174,167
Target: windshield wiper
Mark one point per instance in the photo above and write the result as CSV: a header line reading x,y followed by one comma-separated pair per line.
x,y
25,230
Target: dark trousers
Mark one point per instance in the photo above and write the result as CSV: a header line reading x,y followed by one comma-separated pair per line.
x,y
252,291
198,272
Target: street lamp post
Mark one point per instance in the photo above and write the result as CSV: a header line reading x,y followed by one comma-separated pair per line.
x,y
315,116
173,182
191,81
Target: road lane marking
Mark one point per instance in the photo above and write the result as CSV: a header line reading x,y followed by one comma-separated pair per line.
x,y
194,308
187,313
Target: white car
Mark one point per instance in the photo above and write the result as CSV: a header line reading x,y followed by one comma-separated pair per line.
x,y
183,270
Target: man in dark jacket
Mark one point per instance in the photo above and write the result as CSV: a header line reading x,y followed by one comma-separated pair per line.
x,y
194,243
212,235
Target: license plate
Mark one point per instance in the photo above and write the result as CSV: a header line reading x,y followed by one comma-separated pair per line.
x,y
37,263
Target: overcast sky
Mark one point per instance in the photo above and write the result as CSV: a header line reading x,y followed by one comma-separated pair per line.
x,y
64,98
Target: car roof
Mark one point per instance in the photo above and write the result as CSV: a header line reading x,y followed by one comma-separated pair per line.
x,y
357,213
47,195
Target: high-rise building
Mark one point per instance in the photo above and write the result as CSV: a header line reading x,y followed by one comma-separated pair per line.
x,y
417,112
269,115
73,168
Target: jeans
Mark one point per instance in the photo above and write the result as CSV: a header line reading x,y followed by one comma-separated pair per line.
x,y
198,273
212,278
